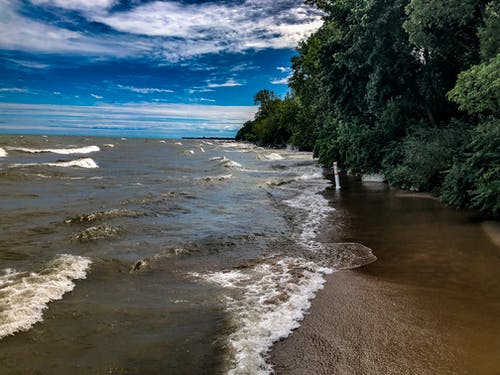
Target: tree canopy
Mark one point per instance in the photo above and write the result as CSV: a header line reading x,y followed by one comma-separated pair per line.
x,y
408,88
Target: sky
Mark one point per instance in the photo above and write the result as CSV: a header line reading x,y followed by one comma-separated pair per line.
x,y
143,68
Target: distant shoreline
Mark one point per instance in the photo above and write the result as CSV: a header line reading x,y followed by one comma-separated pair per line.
x,y
212,138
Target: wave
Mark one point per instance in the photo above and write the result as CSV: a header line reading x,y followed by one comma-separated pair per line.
x,y
150,263
223,177
317,209
273,156
109,145
225,162
3,153
266,302
81,163
348,255
25,295
61,151
94,216
303,177
238,147
94,233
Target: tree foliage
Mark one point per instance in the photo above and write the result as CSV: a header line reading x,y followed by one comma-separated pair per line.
x,y
409,88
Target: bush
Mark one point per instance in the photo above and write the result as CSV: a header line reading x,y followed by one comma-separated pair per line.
x,y
421,161
474,181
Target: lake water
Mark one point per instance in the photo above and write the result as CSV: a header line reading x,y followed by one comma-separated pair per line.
x,y
152,256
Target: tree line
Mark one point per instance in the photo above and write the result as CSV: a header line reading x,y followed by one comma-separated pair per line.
x,y
407,88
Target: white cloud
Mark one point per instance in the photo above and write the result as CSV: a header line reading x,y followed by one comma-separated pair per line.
x,y
199,89
283,69
229,83
282,81
96,96
25,34
77,4
14,90
145,90
29,64
212,28
243,67
163,30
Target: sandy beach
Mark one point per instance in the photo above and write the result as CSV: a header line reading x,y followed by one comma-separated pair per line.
x,y
429,305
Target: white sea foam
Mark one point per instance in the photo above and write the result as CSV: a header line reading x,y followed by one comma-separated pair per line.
x,y
287,180
311,176
109,145
317,209
24,296
273,156
178,143
81,163
189,152
61,151
3,153
202,149
238,147
266,304
226,162
162,141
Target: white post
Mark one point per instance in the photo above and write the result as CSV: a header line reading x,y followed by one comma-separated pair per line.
x,y
336,173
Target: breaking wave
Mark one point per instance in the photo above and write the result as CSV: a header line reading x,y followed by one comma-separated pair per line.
x,y
80,163
273,156
267,303
24,296
226,162
3,153
94,233
61,151
100,215
223,177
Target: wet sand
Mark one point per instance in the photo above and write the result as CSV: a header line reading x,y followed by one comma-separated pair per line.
x,y
430,304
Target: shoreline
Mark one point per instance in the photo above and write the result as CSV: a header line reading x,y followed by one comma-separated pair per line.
x,y
428,305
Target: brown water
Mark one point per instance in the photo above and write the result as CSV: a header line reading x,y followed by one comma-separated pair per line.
x,y
149,256
430,304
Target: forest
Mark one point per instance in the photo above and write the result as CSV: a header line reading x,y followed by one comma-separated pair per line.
x,y
406,88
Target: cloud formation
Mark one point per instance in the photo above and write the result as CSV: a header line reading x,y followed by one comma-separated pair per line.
x,y
228,83
145,90
163,30
14,89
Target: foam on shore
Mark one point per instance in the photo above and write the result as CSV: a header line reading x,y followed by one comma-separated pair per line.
x,y
266,303
3,153
24,296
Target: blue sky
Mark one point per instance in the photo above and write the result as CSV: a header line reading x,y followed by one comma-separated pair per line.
x,y
143,68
